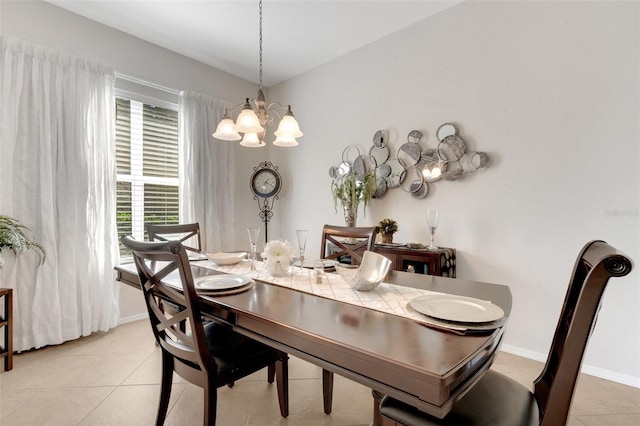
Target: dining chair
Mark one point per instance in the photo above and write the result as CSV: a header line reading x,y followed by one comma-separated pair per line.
x,y
181,232
347,243
184,233
499,400
212,354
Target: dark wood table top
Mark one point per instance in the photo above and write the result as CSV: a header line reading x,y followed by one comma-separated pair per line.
x,y
422,366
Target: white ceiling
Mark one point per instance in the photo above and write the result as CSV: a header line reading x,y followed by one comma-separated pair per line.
x,y
298,35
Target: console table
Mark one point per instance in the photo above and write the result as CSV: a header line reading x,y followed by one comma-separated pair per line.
x,y
441,261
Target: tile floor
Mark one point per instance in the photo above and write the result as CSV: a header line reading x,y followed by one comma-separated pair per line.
x,y
113,379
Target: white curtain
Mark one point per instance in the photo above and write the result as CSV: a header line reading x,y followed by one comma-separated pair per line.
x,y
57,176
207,184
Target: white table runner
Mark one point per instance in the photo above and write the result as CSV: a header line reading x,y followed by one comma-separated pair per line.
x,y
388,298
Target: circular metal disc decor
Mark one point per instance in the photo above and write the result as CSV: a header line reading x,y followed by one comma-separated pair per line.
x,y
413,181
398,173
422,191
452,170
414,136
430,165
452,148
381,154
381,187
380,139
446,129
409,153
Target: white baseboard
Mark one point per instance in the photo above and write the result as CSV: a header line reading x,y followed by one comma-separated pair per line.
x,y
624,379
133,318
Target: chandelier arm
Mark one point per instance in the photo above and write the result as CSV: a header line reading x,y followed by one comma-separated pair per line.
x,y
278,104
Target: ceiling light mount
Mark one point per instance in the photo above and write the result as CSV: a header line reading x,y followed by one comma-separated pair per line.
x,y
257,115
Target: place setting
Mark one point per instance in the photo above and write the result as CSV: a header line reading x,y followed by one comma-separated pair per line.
x,y
223,284
458,314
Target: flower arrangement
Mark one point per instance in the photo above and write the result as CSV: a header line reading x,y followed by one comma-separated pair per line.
x,y
387,227
278,250
348,191
278,255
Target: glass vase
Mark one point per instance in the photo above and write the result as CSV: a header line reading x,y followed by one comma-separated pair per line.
x,y
277,268
350,214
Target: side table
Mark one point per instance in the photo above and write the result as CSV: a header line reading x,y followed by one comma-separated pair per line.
x,y
6,323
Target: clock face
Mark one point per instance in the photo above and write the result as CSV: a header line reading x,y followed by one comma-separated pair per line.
x,y
265,183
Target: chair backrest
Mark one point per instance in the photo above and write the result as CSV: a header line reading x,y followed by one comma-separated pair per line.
x,y
158,263
553,389
182,233
347,241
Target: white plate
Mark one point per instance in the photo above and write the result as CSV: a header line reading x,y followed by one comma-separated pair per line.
x,y
221,258
222,282
457,308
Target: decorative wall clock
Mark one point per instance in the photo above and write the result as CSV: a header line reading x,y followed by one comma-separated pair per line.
x,y
265,184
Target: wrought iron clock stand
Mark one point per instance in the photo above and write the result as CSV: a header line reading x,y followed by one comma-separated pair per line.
x,y
265,184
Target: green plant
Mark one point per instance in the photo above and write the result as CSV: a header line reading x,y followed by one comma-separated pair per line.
x,y
13,235
388,226
349,192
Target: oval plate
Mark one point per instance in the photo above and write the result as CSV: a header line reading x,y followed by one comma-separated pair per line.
x,y
222,282
457,308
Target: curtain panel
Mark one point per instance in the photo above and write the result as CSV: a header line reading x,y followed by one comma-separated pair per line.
x,y
57,176
207,175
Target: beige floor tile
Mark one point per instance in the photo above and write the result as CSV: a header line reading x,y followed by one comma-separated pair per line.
x,y
130,405
608,420
68,371
66,406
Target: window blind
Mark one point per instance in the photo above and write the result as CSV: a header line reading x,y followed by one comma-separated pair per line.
x,y
147,167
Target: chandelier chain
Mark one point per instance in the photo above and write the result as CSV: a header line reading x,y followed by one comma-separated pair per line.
x,y
260,44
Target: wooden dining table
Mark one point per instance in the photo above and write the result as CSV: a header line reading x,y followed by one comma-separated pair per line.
x,y
426,367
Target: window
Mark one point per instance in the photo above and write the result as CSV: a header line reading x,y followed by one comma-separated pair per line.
x,y
147,166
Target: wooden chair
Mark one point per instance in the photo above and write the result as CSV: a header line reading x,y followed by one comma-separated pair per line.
x,y
213,355
499,400
359,239
182,233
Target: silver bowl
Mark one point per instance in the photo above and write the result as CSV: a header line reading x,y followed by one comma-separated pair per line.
x,y
368,275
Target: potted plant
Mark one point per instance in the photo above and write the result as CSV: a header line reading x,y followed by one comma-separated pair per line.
x,y
387,227
13,236
349,192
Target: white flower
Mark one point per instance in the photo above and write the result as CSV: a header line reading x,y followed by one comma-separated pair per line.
x,y
278,250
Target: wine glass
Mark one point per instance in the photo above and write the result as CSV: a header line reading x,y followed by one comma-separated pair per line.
x,y
253,241
432,224
302,242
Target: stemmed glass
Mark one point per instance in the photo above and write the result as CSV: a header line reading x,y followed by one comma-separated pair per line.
x,y
302,242
253,241
432,224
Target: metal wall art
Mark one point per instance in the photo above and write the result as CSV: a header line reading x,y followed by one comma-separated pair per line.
x,y
412,168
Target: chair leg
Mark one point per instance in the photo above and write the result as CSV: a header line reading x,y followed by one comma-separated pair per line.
x,y
165,387
210,401
327,390
282,378
271,372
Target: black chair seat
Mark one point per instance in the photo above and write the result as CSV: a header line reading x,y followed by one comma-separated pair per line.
x,y
496,400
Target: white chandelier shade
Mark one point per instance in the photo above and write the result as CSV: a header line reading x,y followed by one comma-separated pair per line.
x,y
251,140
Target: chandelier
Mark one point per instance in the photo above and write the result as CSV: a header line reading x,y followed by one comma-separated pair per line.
x,y
252,122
